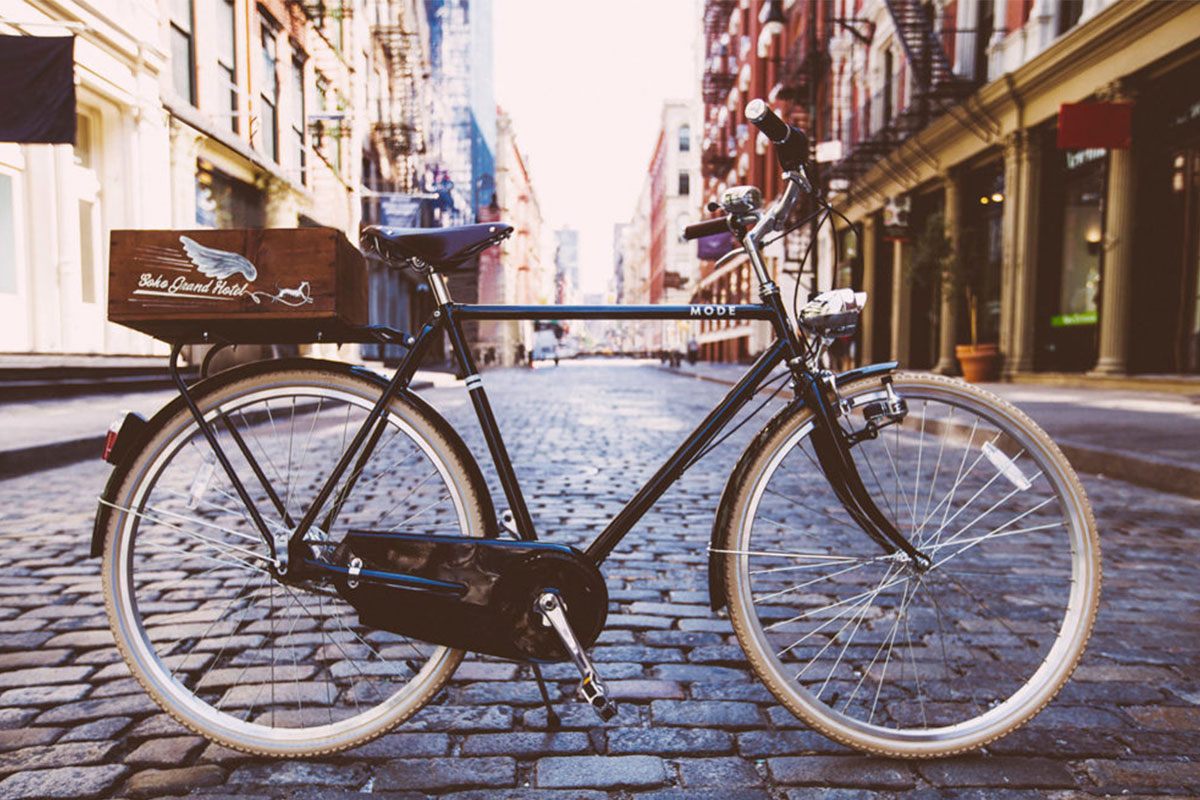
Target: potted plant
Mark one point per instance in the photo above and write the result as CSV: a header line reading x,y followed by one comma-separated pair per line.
x,y
959,271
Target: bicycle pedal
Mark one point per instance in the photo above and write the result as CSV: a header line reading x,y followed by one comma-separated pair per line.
x,y
595,694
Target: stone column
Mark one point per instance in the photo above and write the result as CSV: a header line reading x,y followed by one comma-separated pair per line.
x,y
184,149
901,305
1010,224
282,209
867,321
1117,280
947,363
1025,200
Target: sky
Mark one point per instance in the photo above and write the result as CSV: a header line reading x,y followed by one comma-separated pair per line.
x,y
584,83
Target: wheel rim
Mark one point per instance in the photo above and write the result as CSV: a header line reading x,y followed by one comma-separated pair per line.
x,y
976,644
233,652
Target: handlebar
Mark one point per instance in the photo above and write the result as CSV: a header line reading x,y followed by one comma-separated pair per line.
x,y
708,227
791,148
791,143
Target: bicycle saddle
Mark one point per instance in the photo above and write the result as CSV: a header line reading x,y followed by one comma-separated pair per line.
x,y
437,247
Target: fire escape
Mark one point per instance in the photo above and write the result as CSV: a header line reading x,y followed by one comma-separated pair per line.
x,y
399,127
720,74
875,128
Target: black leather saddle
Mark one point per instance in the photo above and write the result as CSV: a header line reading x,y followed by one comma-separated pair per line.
x,y
436,247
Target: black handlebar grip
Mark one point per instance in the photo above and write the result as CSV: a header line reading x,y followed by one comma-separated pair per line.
x,y
767,121
791,145
709,227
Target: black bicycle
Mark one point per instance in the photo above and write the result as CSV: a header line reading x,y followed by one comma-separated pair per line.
x,y
297,553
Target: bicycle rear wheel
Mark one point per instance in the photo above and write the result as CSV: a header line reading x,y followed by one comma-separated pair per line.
x,y
223,646
864,646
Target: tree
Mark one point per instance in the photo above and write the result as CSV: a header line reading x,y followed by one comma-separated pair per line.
x,y
958,269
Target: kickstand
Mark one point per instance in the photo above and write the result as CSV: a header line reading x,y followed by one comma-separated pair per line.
x,y
553,721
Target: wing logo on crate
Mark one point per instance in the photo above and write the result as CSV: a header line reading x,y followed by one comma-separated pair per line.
x,y
217,263
219,266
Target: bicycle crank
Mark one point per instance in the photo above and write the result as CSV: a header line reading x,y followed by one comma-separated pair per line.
x,y
591,688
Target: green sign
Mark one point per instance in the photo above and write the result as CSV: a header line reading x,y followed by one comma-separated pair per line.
x,y
1079,318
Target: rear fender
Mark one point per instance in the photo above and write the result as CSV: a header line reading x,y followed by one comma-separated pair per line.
x,y
129,450
716,587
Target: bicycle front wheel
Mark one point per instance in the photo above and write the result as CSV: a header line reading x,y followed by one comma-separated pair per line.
x,y
226,648
868,648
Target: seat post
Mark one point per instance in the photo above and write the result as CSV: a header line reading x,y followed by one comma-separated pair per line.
x,y
438,284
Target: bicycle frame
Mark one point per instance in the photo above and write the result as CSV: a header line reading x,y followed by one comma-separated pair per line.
x,y
448,318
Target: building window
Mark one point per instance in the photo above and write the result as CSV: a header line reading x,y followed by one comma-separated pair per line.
x,y
298,111
8,237
86,178
684,184
87,250
227,58
1069,12
82,149
685,138
269,95
1082,238
183,51
984,26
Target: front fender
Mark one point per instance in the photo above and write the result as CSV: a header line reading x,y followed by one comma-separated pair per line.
x,y
716,589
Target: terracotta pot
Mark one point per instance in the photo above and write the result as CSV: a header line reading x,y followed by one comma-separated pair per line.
x,y
980,362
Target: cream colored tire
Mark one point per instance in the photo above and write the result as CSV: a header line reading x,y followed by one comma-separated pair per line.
x,y
864,646
224,647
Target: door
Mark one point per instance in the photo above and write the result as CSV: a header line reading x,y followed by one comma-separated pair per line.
x,y
1185,186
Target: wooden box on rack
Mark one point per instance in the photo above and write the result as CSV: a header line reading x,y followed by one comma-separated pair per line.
x,y
272,285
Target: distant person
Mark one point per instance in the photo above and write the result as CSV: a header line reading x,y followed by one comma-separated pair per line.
x,y
693,351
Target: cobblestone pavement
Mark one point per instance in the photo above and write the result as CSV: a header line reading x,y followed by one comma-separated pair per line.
x,y
694,722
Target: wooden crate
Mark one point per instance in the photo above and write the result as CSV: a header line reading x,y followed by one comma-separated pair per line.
x,y
275,285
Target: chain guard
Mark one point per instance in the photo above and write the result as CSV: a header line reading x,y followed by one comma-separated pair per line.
x,y
474,594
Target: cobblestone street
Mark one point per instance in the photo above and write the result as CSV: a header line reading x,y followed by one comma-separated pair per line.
x,y
694,722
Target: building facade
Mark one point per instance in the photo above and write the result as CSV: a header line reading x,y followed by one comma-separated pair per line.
x,y
1089,247
58,202
520,275
776,51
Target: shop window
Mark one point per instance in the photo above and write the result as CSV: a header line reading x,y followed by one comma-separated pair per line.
x,y
225,202
983,235
8,237
1081,243
227,58
183,50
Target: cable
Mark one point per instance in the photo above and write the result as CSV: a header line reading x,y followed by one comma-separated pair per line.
x,y
746,419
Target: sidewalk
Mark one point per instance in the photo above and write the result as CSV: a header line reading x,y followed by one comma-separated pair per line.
x,y
45,433
1142,437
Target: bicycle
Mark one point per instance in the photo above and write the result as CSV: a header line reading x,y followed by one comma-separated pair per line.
x,y
909,563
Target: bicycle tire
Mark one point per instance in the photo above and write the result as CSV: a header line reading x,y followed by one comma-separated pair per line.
x,y
224,648
991,630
